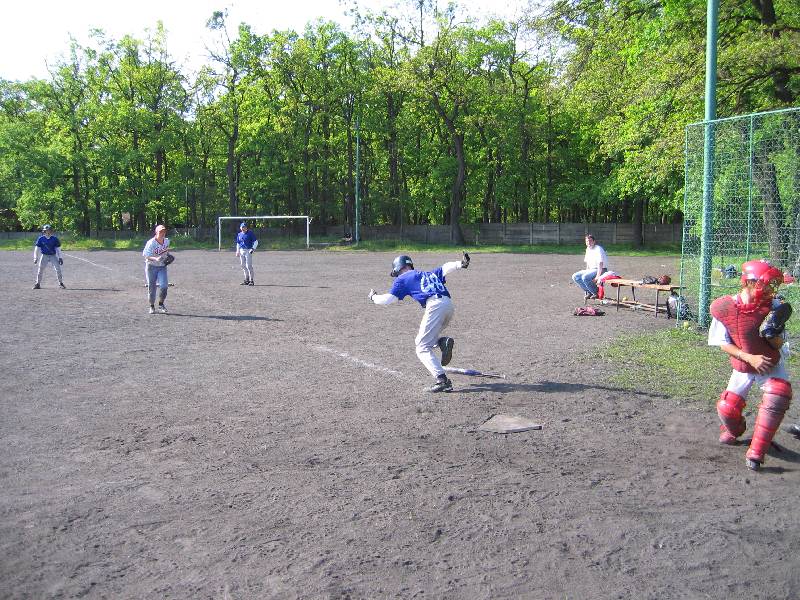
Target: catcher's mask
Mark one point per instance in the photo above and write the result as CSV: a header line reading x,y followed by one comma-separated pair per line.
x,y
766,277
400,262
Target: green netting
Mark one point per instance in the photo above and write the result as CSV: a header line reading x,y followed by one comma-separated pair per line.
x,y
754,202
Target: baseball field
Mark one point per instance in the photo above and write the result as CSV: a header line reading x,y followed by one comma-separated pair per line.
x,y
275,441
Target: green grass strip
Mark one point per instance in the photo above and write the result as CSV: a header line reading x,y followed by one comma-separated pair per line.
x,y
676,362
75,242
408,247
178,242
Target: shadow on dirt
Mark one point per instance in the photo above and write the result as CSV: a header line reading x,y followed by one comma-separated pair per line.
x,y
226,317
549,387
783,453
74,289
777,451
278,285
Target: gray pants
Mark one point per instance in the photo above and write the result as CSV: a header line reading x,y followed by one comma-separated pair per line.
x,y
156,279
438,312
44,260
246,260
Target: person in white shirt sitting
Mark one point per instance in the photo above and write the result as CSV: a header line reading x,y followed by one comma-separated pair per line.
x,y
596,265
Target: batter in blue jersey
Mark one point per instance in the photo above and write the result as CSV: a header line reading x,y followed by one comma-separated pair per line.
x,y
427,288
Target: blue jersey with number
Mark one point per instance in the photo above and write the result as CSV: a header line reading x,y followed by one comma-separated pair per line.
x,y
48,245
420,285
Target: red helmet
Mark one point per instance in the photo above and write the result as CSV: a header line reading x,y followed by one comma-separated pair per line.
x,y
765,276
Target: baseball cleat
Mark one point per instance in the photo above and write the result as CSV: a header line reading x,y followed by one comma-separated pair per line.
x,y
446,345
251,282
152,310
443,384
245,282
162,309
36,286
753,465
794,430
61,285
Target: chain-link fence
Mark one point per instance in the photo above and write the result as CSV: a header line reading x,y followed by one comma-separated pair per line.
x,y
753,210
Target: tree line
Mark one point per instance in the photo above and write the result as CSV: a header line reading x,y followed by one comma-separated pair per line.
x,y
575,112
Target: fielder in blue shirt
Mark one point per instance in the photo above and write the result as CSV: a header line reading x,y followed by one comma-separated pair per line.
x,y
50,248
427,288
246,244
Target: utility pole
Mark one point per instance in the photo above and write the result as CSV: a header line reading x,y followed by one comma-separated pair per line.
x,y
706,244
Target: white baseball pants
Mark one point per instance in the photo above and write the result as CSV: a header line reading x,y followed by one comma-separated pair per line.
x,y
438,312
246,260
44,260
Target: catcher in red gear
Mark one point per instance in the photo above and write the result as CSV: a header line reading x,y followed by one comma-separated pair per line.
x,y
750,328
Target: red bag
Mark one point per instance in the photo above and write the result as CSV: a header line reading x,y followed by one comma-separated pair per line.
x,y
588,311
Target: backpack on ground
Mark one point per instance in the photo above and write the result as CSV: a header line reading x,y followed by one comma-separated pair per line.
x,y
678,308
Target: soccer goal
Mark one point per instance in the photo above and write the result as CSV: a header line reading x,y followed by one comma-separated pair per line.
x,y
250,220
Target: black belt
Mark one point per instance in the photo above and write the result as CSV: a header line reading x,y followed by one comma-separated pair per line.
x,y
433,296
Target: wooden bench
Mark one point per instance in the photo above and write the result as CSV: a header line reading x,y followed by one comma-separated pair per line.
x,y
637,284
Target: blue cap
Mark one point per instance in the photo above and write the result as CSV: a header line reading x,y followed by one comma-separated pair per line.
x,y
242,224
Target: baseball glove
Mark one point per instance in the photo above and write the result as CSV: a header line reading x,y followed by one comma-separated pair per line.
x,y
167,259
775,323
664,280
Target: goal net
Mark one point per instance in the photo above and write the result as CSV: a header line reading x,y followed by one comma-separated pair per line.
x,y
276,231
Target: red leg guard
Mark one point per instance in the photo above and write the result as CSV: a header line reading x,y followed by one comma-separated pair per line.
x,y
729,409
774,403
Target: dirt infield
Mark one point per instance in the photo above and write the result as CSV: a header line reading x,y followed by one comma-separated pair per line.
x,y
275,442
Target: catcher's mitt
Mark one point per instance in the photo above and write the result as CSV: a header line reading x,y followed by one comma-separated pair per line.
x,y
664,280
167,259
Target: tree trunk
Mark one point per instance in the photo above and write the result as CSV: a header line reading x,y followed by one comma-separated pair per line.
x,y
488,193
548,189
97,210
325,191
349,199
773,214
458,191
392,109
638,220
230,165
76,191
203,188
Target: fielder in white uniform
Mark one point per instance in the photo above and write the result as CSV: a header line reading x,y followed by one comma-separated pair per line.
x,y
155,270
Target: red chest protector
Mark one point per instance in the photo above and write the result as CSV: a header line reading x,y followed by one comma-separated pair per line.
x,y
743,328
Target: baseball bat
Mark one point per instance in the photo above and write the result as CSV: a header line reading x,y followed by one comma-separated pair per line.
x,y
474,373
